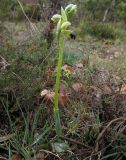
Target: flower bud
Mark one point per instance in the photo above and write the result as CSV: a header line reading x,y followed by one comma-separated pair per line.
x,y
70,9
56,18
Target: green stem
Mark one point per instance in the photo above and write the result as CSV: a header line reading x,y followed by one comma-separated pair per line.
x,y
56,108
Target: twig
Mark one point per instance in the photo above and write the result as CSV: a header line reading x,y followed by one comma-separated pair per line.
x,y
76,142
105,130
50,52
3,158
32,26
7,137
122,129
18,77
43,150
3,63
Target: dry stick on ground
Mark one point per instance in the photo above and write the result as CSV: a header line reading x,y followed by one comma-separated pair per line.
x,y
122,129
7,137
3,158
105,130
55,155
3,63
50,52
95,154
76,142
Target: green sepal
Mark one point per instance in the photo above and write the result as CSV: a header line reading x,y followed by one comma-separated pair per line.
x,y
65,25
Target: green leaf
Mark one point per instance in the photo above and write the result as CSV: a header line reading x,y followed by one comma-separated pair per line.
x,y
63,14
41,136
65,25
60,147
56,18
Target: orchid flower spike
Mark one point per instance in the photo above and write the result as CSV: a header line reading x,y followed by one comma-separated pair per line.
x,y
62,20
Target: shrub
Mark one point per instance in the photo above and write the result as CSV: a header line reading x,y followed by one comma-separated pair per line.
x,y
11,9
5,6
32,11
103,30
99,30
121,11
84,29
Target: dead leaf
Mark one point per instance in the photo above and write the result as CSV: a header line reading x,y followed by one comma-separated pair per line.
x,y
44,92
7,137
123,89
49,97
97,92
16,157
106,89
78,87
63,99
40,156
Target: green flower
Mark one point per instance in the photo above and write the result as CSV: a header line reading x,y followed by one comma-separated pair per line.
x,y
62,20
56,18
70,10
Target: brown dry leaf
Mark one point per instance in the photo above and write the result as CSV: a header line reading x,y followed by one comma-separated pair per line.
x,y
123,89
44,93
49,97
106,89
78,87
16,157
7,137
63,99
40,156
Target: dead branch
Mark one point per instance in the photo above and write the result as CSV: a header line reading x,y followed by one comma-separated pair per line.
x,y
105,130
76,142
